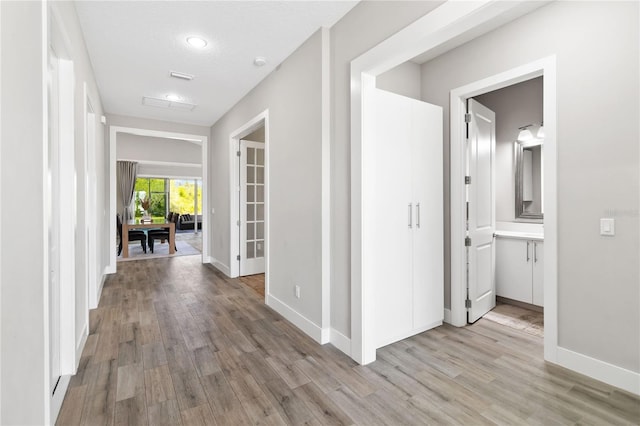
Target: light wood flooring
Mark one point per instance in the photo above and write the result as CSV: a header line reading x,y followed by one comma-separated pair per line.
x,y
175,342
255,282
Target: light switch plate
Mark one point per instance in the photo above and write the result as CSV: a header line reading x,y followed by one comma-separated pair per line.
x,y
607,226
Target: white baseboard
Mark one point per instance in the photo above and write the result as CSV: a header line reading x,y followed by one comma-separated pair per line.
x,y
300,321
80,345
340,341
58,397
447,316
600,370
220,266
99,289
207,259
110,269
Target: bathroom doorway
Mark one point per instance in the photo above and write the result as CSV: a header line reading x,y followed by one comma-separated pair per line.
x,y
518,245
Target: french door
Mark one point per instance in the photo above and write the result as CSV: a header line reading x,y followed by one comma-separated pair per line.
x,y
252,208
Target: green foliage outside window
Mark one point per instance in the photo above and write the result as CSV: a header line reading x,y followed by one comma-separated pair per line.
x,y
181,196
179,193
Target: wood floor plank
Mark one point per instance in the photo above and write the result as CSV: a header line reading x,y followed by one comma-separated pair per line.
x,y
176,342
165,413
130,381
198,416
159,385
71,411
131,411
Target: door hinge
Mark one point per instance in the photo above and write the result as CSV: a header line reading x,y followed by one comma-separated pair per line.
x,y
467,180
238,257
467,303
467,118
467,242
238,153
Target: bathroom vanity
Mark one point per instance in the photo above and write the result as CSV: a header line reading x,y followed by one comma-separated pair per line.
x,y
520,262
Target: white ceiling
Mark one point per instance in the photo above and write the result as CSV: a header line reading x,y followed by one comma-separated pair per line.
x,y
133,45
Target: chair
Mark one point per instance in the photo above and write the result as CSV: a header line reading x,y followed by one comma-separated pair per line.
x,y
134,235
161,234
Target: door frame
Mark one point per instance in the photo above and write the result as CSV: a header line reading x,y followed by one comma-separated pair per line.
x,y
543,67
92,250
201,139
243,131
446,27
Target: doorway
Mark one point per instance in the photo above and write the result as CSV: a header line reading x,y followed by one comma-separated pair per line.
x,y
459,249
200,140
249,199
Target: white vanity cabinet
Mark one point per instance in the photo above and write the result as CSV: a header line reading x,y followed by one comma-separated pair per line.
x,y
520,269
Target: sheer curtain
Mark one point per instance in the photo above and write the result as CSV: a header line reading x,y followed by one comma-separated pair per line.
x,y
127,173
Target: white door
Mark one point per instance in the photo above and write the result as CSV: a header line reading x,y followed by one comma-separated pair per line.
x,y
405,242
53,219
252,208
481,144
428,234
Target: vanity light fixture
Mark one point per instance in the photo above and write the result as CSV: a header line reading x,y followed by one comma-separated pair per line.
x,y
197,42
525,134
540,133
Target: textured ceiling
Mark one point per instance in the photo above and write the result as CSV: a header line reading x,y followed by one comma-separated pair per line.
x,y
133,45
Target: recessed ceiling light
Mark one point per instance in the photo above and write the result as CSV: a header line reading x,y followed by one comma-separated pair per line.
x,y
197,42
173,97
260,61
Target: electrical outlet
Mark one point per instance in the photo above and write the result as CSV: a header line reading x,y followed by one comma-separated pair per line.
x,y
297,291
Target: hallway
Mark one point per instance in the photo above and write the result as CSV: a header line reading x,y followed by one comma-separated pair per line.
x,y
176,342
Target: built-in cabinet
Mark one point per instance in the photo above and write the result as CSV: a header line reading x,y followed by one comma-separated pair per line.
x,y
404,218
520,269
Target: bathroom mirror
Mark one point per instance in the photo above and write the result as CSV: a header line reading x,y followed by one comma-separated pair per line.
x,y
529,181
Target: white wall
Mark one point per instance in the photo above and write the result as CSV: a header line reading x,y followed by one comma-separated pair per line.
x,y
169,171
257,136
597,50
515,106
292,94
22,326
405,80
366,25
151,149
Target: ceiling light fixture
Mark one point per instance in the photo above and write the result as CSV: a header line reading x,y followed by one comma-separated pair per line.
x,y
197,42
174,98
525,134
260,61
181,75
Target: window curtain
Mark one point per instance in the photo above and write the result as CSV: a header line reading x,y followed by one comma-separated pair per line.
x,y
127,173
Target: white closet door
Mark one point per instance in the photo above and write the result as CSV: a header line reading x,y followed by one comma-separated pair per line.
x,y
252,208
406,249
392,213
428,235
482,219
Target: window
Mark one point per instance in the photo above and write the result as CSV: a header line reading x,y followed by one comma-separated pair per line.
x,y
182,196
154,189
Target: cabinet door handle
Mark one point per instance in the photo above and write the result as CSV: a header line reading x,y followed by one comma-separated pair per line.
x,y
410,215
535,252
418,215
527,251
